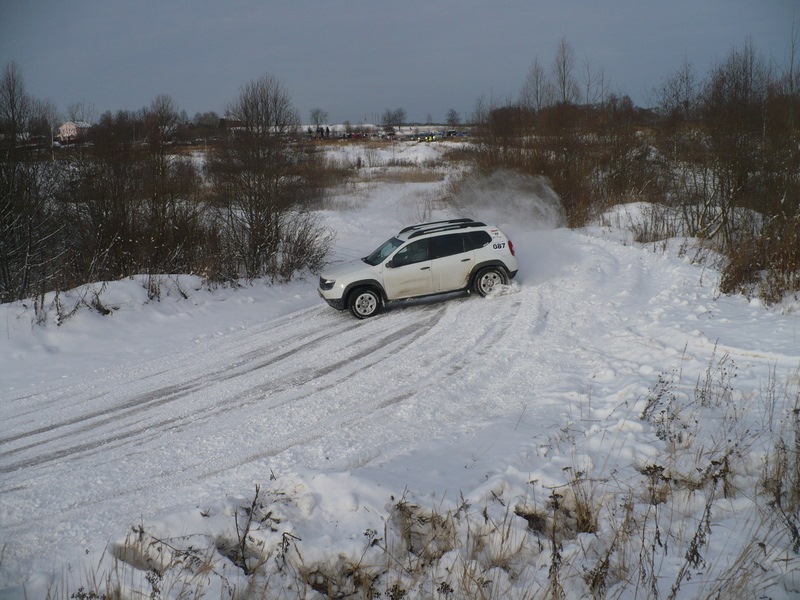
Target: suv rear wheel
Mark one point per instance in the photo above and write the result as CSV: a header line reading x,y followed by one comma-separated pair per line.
x,y
363,303
488,279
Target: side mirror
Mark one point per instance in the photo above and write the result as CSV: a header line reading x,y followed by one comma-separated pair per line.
x,y
390,265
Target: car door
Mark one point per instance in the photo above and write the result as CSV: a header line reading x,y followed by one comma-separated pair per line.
x,y
408,273
451,262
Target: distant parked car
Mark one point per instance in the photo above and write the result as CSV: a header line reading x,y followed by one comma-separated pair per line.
x,y
422,260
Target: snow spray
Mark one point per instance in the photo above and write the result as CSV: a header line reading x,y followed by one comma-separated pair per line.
x,y
507,198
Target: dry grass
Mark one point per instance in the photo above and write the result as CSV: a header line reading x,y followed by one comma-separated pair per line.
x,y
406,174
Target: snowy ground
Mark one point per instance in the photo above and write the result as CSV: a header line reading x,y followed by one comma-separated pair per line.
x,y
165,416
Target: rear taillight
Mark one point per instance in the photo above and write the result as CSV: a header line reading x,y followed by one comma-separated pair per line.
x,y
511,247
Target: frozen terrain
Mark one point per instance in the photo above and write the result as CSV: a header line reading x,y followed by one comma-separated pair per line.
x,y
165,416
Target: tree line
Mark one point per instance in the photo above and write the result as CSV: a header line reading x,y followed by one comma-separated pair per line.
x,y
717,156
126,203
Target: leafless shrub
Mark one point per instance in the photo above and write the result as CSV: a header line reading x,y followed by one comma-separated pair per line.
x,y
715,388
303,244
780,478
463,155
402,163
410,173
693,557
766,263
372,156
658,223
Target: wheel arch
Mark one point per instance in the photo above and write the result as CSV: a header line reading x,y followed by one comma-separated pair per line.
x,y
367,283
488,263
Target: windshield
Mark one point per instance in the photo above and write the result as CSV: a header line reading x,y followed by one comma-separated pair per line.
x,y
384,250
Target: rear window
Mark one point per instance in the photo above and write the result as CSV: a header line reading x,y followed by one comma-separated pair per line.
x,y
476,239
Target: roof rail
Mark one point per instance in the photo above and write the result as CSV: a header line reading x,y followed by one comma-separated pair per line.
x,y
420,225
461,225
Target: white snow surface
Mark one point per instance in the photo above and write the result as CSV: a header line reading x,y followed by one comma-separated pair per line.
x,y
166,414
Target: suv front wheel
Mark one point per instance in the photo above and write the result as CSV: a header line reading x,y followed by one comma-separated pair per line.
x,y
488,279
363,303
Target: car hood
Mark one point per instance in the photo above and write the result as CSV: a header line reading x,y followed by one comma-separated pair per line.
x,y
351,266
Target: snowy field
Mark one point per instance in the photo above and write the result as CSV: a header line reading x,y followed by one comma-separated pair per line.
x,y
446,442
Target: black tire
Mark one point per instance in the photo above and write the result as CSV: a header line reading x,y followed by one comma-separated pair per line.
x,y
488,279
363,302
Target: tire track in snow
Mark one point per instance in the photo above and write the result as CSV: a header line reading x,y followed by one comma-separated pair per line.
x,y
169,392
390,341
434,373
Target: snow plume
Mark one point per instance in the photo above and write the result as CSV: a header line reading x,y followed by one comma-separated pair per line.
x,y
505,198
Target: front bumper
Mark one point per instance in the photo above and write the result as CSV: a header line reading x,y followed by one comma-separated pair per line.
x,y
337,303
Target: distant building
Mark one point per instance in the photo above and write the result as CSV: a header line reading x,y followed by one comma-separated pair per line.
x,y
230,127
72,131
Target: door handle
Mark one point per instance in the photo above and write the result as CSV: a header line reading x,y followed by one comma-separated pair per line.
x,y
424,268
466,259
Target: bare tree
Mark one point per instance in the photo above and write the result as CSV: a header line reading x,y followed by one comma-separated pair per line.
x,y
537,92
47,118
491,121
480,111
739,83
602,86
732,105
453,118
566,88
169,185
163,115
388,120
791,82
318,117
15,105
28,226
394,118
208,119
14,217
594,84
81,111
205,125
791,71
259,178
678,96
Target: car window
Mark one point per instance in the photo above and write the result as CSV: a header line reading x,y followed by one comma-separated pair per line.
x,y
446,245
476,239
413,253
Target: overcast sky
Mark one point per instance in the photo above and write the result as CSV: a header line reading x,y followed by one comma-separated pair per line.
x,y
356,58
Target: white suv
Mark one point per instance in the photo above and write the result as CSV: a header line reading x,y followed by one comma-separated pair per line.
x,y
422,260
